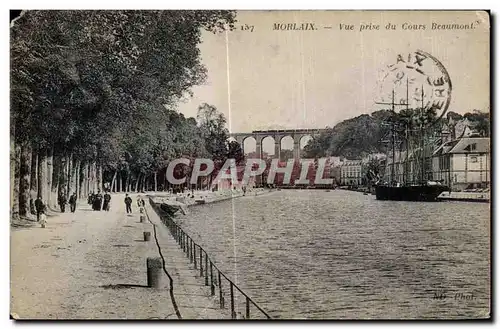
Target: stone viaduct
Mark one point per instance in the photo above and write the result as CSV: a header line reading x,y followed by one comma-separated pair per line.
x,y
277,135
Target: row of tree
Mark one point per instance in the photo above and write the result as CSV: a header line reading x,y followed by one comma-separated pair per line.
x,y
93,96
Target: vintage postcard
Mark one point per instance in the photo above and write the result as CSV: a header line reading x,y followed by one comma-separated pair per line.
x,y
222,164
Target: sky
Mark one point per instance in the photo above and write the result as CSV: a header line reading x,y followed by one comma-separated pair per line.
x,y
261,78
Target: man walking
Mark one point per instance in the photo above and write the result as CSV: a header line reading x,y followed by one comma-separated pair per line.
x,y
62,202
98,201
107,201
72,202
39,206
128,203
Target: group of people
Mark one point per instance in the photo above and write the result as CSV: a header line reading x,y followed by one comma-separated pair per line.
x,y
128,203
61,201
99,202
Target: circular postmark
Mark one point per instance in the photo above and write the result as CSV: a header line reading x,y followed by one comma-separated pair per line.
x,y
416,81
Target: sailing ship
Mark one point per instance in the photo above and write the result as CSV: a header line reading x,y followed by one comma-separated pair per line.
x,y
415,184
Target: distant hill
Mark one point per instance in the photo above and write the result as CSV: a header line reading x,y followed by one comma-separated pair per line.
x,y
356,137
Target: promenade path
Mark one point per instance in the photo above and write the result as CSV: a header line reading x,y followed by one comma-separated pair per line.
x,y
92,265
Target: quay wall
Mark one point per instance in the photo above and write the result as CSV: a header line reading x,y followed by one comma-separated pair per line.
x,y
225,293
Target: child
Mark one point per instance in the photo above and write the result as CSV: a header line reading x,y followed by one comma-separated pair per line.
x,y
43,218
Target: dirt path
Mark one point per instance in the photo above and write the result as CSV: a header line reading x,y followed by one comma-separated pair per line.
x,y
92,265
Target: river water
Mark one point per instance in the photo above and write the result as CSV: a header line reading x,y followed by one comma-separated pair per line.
x,y
311,254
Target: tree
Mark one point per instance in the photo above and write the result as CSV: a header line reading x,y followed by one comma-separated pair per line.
x,y
83,83
212,126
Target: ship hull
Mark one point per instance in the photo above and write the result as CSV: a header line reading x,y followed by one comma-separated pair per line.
x,y
410,193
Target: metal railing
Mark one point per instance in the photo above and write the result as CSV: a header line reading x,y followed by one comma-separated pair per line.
x,y
213,276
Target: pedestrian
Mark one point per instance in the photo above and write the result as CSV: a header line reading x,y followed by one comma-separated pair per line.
x,y
107,201
40,207
43,216
128,203
61,200
98,201
72,202
139,201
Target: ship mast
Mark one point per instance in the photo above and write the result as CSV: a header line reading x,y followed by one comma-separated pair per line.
x,y
405,176
393,137
422,137
393,133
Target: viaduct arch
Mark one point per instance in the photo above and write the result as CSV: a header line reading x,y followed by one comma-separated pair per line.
x,y
277,135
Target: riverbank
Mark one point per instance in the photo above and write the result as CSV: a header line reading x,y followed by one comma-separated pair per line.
x,y
204,197
92,265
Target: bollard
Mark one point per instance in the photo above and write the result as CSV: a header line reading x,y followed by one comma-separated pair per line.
x,y
143,219
248,308
155,272
147,236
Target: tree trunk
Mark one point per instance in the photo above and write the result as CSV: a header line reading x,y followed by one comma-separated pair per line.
x,y
42,175
113,182
15,168
56,177
72,182
34,175
137,183
24,186
156,181
127,182
100,183
81,180
69,175
119,183
50,171
85,182
87,178
94,177
74,177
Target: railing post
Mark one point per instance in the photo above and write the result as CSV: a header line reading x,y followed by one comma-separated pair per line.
x,y
221,298
233,314
191,250
206,269
201,262
248,308
212,287
194,255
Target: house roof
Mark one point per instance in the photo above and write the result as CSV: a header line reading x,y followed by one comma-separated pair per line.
x,y
466,145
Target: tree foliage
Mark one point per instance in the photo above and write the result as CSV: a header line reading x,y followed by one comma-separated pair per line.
x,y
101,85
